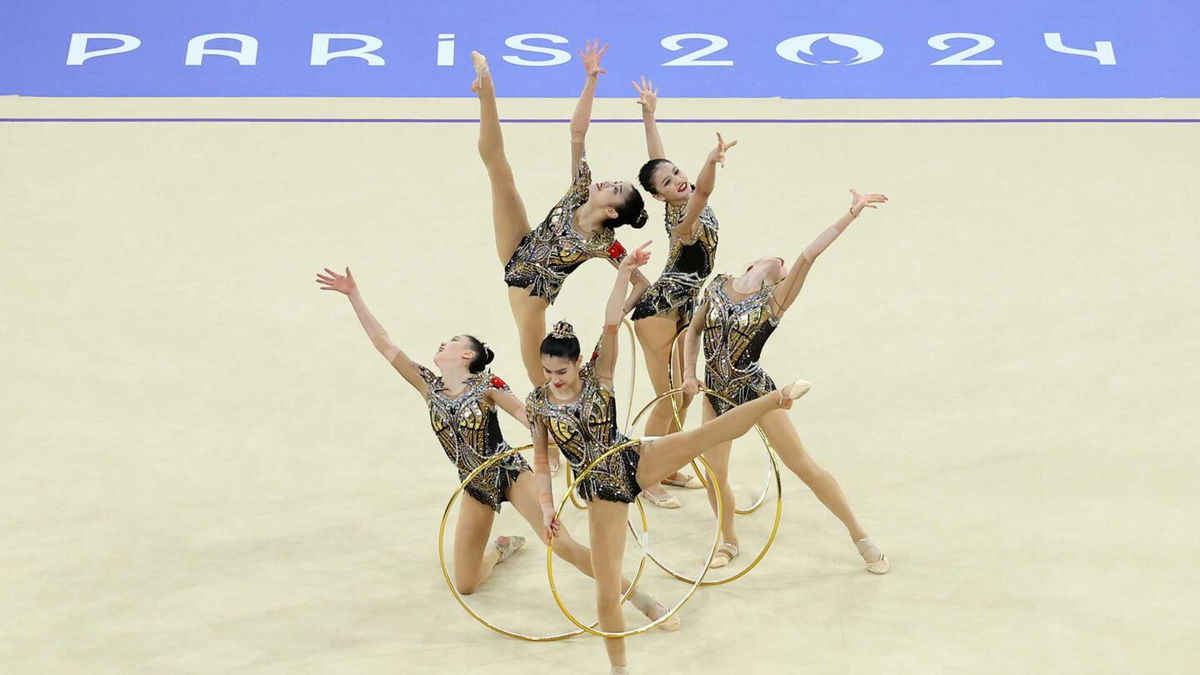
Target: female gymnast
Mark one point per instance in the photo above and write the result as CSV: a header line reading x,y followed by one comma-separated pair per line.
x,y
577,410
578,228
462,404
666,308
734,320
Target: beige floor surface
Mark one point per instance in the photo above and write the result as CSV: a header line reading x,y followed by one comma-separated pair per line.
x,y
207,469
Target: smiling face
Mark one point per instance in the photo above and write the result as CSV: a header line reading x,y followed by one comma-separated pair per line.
x,y
773,270
561,373
670,183
455,351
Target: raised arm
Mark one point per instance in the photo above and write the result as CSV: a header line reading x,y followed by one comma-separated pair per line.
x,y
614,311
590,54
648,99
345,284
788,289
706,182
541,475
691,349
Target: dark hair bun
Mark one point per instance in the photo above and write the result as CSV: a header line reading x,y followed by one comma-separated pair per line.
x,y
488,355
640,221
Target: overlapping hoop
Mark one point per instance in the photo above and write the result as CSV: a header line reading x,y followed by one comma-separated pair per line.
x,y
774,468
645,553
495,459
672,384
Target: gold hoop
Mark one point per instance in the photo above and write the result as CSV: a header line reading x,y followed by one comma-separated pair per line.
x,y
771,467
774,467
458,596
645,553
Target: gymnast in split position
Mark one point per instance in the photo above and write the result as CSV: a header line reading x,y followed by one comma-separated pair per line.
x,y
462,401
577,410
578,228
734,320
666,308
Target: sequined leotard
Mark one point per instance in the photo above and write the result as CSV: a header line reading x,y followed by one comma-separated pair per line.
x,y
688,264
734,335
469,431
554,248
584,429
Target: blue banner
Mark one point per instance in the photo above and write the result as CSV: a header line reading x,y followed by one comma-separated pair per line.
x,y
697,48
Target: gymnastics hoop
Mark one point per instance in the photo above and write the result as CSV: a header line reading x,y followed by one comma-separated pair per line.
x,y
633,348
645,553
774,468
458,596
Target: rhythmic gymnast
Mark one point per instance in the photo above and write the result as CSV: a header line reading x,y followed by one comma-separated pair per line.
x,y
462,403
578,228
666,308
734,320
577,410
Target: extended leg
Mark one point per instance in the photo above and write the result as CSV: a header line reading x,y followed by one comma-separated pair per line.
x,y
508,211
786,441
669,453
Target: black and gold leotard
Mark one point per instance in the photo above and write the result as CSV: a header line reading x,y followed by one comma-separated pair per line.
x,y
469,431
584,429
734,335
555,248
688,265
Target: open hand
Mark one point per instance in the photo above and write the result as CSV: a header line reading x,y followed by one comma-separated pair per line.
x,y
637,257
591,53
332,281
859,202
718,153
647,95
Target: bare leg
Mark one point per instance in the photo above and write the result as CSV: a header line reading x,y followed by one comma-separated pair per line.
x,y
783,437
529,312
523,495
718,459
606,523
669,453
474,558
656,335
508,211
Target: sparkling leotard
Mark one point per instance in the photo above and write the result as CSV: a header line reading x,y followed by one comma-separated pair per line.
x,y
469,431
688,264
584,429
555,248
734,335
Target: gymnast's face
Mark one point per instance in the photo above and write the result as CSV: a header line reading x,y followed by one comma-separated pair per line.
x,y
456,350
772,269
561,373
609,195
670,183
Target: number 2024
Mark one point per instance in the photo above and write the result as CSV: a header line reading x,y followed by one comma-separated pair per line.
x,y
799,49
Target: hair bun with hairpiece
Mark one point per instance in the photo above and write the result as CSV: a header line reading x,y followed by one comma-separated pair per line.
x,y
563,330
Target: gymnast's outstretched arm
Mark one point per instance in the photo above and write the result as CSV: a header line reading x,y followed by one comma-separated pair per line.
x,y
615,310
788,289
346,285
648,99
706,182
582,118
